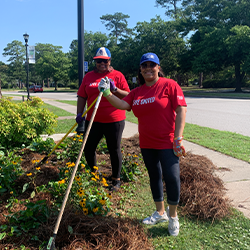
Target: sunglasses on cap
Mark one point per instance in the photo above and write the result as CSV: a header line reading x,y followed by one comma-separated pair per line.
x,y
102,60
148,65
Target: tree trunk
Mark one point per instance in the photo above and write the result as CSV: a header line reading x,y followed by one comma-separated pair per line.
x,y
55,86
238,77
48,82
200,80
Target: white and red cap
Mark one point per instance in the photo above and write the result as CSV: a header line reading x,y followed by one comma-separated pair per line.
x,y
102,53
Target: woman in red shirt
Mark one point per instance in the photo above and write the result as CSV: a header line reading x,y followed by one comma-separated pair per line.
x,y
160,107
109,121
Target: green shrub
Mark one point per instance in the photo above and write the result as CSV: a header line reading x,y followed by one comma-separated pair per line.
x,y
24,121
218,83
73,85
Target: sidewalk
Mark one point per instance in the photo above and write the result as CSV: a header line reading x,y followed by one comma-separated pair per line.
x,y
237,179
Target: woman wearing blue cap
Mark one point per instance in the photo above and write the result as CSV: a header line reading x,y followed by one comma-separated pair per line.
x,y
108,121
160,107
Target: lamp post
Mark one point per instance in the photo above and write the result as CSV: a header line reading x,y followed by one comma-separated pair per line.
x,y
80,11
26,38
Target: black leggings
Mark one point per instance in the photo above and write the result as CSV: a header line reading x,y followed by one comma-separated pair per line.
x,y
163,162
113,134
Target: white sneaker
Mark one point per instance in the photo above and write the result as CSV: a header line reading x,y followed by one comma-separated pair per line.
x,y
173,226
156,218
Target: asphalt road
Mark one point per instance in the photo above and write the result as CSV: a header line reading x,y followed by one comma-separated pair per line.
x,y
218,113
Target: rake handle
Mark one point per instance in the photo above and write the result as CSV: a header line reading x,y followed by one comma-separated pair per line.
x,y
75,169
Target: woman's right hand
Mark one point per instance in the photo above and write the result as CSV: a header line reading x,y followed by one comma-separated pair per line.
x,y
104,86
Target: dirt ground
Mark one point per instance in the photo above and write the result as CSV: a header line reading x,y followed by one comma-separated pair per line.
x,y
202,195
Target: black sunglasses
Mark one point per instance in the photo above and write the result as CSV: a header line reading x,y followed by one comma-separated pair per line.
x,y
150,65
101,60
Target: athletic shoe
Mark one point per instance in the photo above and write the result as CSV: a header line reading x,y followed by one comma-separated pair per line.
x,y
116,184
173,226
156,218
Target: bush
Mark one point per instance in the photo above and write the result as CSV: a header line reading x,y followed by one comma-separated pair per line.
x,y
22,122
73,85
217,83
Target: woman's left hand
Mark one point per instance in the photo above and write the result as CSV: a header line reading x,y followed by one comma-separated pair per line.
x,y
178,147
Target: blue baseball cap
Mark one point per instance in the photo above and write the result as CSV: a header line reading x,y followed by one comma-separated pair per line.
x,y
102,53
150,57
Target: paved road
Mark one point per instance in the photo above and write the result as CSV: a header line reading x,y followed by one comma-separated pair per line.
x,y
218,113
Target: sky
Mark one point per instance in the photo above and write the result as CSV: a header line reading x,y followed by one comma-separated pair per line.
x,y
55,21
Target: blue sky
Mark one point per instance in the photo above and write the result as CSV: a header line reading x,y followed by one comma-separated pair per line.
x,y
55,21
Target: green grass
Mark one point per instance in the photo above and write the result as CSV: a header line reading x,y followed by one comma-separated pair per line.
x,y
57,111
229,233
229,143
68,102
63,126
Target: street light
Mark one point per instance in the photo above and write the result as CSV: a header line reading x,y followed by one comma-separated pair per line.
x,y
26,38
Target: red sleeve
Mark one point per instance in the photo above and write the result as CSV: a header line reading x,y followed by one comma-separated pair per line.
x,y
176,94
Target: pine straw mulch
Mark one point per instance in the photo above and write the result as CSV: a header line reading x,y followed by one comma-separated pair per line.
x,y
202,196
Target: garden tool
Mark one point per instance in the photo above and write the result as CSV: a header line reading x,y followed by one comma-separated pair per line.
x,y
51,243
57,145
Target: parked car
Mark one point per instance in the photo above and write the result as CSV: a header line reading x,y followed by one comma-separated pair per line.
x,y
36,88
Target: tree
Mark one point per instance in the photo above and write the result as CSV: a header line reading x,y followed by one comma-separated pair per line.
x,y
117,23
214,41
168,3
54,64
16,52
43,53
3,76
92,41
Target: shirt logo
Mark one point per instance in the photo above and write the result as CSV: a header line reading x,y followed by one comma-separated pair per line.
x,y
144,101
179,97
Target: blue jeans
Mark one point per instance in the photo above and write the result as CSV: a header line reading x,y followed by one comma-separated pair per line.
x,y
163,163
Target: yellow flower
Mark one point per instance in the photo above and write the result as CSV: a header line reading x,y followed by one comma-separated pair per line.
x,y
78,136
81,134
129,154
61,182
135,156
95,209
80,140
109,196
38,168
14,162
82,165
11,192
95,167
29,174
93,179
85,210
104,174
79,183
74,132
82,203
80,193
74,139
66,171
102,201
87,171
47,162
77,178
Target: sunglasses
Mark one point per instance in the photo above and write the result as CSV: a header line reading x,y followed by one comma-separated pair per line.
x,y
149,65
102,60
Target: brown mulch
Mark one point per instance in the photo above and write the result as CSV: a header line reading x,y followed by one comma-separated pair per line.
x,y
202,196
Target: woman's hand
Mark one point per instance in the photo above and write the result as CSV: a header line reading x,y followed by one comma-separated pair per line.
x,y
104,86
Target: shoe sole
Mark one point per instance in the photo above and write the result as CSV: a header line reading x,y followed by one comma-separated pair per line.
x,y
159,221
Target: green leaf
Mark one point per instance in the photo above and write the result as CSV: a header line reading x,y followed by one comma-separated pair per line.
x,y
32,194
2,235
70,229
25,187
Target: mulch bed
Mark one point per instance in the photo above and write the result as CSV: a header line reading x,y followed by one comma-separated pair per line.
x,y
202,196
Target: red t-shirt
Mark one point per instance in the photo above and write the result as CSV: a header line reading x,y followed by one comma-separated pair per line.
x,y
106,113
155,107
